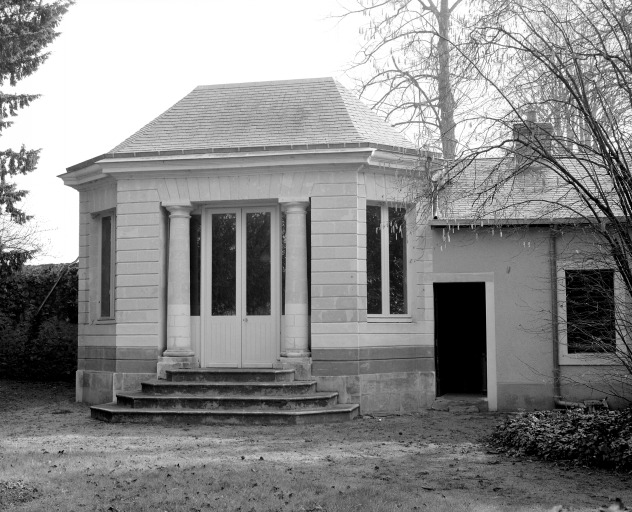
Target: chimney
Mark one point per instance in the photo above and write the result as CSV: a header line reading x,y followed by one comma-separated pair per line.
x,y
532,115
531,140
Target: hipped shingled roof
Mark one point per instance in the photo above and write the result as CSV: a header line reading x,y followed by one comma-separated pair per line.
x,y
259,116
494,191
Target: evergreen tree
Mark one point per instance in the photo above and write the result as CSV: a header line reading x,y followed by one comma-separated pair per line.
x,y
27,27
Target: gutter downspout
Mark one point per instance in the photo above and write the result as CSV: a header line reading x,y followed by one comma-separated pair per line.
x,y
554,316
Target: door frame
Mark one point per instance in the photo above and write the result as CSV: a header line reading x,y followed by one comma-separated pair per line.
x,y
275,268
490,322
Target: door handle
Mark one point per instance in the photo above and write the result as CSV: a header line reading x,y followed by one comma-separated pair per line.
x,y
245,319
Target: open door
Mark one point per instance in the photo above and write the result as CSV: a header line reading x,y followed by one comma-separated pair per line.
x,y
460,338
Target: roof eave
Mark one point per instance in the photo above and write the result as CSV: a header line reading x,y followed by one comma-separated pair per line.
x,y
525,221
240,151
90,171
234,162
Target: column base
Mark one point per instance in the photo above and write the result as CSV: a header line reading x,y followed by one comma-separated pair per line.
x,y
178,353
173,363
302,366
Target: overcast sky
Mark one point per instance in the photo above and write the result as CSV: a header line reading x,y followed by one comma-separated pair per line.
x,y
119,63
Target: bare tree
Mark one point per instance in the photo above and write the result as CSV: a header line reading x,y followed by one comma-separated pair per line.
x,y
416,66
18,242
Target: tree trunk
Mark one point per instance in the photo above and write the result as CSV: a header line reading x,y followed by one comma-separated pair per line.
x,y
446,96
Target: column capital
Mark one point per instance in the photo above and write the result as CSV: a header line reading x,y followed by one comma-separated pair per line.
x,y
294,206
178,209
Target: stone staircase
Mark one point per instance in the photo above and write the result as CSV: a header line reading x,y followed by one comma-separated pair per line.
x,y
230,396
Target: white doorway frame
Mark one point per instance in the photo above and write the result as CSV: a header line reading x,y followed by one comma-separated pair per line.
x,y
275,255
490,324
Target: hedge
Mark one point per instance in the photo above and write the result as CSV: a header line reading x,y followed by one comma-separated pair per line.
x,y
595,439
39,345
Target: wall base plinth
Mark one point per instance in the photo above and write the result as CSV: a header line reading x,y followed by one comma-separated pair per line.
x,y
383,393
100,387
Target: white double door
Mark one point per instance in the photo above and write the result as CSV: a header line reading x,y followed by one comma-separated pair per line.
x,y
241,287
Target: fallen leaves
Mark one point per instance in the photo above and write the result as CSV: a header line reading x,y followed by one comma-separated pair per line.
x,y
15,492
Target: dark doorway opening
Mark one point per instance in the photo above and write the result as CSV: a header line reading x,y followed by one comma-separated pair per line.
x,y
460,338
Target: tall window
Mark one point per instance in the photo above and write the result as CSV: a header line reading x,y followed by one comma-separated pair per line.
x,y
386,260
590,315
106,293
195,237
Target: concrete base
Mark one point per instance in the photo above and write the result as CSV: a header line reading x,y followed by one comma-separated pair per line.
x,y
527,396
302,366
383,393
98,387
174,363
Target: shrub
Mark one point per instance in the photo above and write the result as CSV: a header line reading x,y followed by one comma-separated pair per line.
x,y
50,355
22,293
39,345
598,439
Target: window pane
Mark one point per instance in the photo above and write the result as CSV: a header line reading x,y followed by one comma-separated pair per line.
x,y
224,264
195,233
590,311
106,267
397,260
374,259
258,267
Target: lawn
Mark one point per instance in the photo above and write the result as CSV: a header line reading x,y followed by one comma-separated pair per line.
x,y
54,457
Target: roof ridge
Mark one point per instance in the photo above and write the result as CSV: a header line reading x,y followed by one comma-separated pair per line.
x,y
341,94
353,105
264,83
149,125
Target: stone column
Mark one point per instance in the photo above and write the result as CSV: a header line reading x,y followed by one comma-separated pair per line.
x,y
178,353
295,349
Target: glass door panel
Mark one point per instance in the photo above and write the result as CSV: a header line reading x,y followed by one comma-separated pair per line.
x,y
258,264
224,264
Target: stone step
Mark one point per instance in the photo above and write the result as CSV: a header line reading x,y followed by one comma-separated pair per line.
x,y
219,395
116,413
209,402
460,403
296,387
231,375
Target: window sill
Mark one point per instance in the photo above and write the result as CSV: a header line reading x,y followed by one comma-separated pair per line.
x,y
105,321
389,319
587,359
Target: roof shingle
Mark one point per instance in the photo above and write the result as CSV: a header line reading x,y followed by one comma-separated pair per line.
x,y
493,190
264,114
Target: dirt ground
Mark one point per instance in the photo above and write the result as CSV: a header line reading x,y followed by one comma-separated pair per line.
x,y
410,462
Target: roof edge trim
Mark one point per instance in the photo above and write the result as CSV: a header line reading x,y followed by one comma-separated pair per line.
x,y
256,149
268,82
489,222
